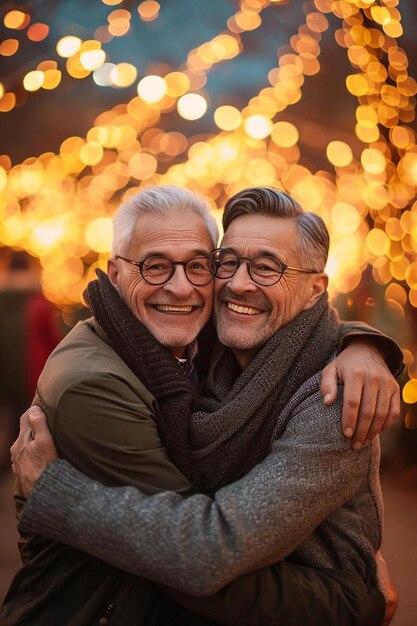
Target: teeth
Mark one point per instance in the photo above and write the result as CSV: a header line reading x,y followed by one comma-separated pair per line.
x,y
243,309
168,308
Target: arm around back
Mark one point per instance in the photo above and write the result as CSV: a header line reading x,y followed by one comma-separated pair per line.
x,y
198,544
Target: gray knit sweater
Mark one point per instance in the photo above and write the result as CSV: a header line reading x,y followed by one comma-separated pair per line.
x,y
313,498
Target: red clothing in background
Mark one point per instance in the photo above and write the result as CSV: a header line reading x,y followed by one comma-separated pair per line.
x,y
42,336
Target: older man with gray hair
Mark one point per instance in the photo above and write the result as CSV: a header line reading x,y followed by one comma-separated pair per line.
x,y
311,498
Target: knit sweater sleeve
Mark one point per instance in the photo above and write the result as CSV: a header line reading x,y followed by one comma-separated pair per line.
x,y
199,544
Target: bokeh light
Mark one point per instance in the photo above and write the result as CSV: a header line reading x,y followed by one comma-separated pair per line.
x,y
361,179
67,46
37,32
149,10
152,88
16,20
192,106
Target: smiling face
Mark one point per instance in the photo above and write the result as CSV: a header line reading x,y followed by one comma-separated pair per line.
x,y
176,311
247,315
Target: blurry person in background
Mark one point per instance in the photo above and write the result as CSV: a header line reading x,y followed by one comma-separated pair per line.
x,y
29,331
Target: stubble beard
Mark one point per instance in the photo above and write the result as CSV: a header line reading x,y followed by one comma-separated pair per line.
x,y
230,334
173,339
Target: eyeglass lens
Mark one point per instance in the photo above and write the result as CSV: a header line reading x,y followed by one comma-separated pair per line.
x,y
157,270
263,270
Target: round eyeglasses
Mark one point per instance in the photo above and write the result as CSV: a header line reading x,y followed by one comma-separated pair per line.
x,y
157,270
265,270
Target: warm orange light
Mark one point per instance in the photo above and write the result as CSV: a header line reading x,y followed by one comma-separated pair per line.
x,y
142,166
9,47
123,75
373,161
37,32
177,84
119,22
284,134
227,117
376,241
410,391
339,153
7,102
98,234
52,78
149,10
16,20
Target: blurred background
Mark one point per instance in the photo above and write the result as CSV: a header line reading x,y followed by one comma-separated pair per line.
x,y
98,99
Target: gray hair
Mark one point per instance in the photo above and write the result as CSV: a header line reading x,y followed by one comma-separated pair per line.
x,y
159,200
312,233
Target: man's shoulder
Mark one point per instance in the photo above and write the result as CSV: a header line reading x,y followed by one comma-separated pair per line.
x,y
84,356
82,352
306,406
308,393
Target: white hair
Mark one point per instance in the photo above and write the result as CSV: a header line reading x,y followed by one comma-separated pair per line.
x,y
159,200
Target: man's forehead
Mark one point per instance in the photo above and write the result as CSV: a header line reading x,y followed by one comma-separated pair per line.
x,y
166,234
262,233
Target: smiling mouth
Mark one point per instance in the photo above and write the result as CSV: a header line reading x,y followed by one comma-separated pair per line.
x,y
169,308
245,310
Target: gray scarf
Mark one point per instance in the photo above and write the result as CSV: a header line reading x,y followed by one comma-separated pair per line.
x,y
235,423
217,439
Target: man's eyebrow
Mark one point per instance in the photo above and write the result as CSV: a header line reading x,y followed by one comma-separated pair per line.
x,y
261,252
194,252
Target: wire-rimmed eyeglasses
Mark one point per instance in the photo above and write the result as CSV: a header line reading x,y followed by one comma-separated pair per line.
x,y
265,270
157,270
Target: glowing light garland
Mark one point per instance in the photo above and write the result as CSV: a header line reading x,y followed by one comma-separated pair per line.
x,y
59,206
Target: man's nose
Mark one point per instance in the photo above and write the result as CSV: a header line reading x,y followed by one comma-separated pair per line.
x,y
178,284
241,281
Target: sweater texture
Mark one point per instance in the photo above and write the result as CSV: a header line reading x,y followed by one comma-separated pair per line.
x,y
313,496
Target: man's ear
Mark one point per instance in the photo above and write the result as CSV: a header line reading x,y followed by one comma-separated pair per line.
x,y
113,273
316,287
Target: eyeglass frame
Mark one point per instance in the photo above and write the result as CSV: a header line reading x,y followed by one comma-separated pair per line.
x,y
139,265
249,261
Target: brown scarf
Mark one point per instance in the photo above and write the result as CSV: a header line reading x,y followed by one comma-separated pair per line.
x,y
217,439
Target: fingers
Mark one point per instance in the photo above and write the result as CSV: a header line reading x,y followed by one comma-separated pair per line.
x,y
328,385
394,410
352,395
24,421
32,424
33,450
371,399
25,435
25,431
387,412
368,413
38,423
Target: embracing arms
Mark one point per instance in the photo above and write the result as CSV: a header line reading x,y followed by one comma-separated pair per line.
x,y
371,399
199,544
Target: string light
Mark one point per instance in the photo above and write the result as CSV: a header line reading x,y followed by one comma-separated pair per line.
x,y
366,197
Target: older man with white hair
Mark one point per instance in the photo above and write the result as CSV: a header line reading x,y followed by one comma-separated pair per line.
x,y
310,488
